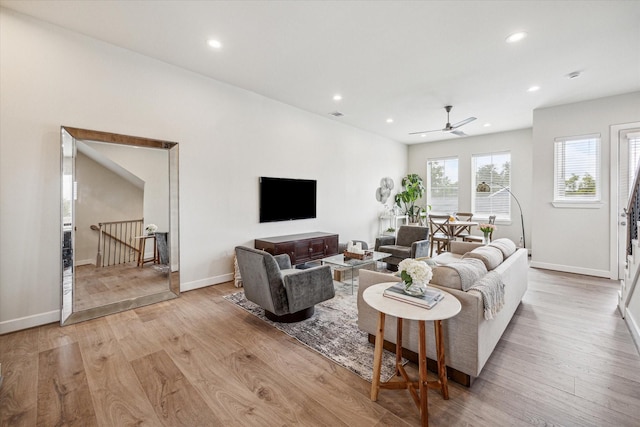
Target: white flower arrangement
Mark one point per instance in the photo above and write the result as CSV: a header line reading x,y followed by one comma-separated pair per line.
x,y
412,270
151,228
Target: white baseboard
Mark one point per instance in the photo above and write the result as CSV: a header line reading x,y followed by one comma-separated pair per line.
x,y
13,325
633,328
202,283
569,269
27,322
86,261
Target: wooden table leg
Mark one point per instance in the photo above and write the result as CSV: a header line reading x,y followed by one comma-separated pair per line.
x,y
422,367
442,368
377,358
141,253
398,345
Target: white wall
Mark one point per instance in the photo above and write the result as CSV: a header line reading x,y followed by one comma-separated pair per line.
x,y
570,239
518,143
228,138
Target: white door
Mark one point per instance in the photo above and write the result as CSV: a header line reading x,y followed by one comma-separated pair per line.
x,y
629,154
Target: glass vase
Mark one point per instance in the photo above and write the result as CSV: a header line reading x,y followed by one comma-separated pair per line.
x,y
485,238
415,289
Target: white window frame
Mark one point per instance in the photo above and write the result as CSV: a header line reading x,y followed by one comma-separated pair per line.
x,y
428,175
502,217
591,142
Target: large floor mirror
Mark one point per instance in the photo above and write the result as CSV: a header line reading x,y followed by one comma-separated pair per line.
x,y
120,243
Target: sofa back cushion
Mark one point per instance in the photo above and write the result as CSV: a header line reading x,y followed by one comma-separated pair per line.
x,y
489,255
459,275
507,246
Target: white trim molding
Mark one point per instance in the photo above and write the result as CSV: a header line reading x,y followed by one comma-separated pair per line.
x,y
571,269
27,322
633,328
203,283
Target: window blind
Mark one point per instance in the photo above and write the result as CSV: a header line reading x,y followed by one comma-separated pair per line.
x,y
492,183
577,168
442,185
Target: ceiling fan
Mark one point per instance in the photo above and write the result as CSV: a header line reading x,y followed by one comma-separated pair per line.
x,y
449,127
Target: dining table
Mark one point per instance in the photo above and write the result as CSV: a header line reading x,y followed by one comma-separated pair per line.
x,y
456,228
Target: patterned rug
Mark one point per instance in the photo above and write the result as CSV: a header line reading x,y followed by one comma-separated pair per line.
x,y
332,331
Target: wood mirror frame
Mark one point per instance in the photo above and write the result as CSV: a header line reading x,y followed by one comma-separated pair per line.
x,y
70,139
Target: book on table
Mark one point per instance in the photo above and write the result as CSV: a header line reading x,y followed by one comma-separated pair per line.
x,y
430,298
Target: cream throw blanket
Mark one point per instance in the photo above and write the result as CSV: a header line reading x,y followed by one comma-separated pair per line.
x,y
491,288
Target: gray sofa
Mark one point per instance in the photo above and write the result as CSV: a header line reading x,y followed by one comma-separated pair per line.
x,y
469,338
286,294
412,242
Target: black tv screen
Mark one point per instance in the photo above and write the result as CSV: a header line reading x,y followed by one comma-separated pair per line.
x,y
284,199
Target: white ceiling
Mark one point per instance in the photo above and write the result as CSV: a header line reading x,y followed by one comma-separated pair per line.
x,y
399,59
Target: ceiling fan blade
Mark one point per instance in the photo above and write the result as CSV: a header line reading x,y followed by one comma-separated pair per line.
x,y
425,131
458,132
464,122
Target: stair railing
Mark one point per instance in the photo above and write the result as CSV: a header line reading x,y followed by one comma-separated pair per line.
x,y
633,218
117,242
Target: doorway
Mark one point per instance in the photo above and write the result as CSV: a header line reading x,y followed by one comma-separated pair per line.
x,y
625,139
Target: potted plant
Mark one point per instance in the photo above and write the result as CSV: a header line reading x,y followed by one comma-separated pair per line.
x,y
413,190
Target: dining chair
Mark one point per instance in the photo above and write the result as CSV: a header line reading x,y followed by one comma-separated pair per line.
x,y
472,238
466,230
439,233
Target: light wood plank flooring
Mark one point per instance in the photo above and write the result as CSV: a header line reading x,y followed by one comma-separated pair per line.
x,y
96,287
567,359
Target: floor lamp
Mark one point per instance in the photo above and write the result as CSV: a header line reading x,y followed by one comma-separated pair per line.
x,y
485,188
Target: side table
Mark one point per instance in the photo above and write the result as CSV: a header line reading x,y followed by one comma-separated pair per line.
x,y
448,307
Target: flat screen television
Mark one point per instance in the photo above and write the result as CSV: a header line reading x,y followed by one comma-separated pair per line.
x,y
285,199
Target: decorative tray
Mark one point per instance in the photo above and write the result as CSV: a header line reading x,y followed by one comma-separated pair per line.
x,y
362,257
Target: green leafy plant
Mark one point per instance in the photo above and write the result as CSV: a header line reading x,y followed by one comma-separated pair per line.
x,y
406,200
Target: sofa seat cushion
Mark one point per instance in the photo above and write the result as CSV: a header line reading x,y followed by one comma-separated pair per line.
x,y
489,255
397,251
459,275
506,246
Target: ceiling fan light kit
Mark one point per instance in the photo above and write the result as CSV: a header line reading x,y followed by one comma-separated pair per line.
x,y
449,127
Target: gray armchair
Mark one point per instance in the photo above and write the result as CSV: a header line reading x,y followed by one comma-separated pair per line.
x,y
286,294
411,242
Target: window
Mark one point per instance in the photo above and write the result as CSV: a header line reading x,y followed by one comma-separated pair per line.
x,y
442,185
492,183
577,169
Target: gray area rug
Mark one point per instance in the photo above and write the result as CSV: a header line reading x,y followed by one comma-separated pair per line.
x,y
332,331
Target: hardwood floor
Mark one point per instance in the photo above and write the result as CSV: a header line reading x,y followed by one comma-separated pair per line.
x,y
97,287
567,358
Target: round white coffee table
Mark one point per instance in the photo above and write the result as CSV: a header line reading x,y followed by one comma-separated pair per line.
x,y
448,307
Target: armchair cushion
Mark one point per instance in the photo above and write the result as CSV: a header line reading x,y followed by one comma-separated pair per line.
x,y
409,234
283,260
306,288
397,251
384,241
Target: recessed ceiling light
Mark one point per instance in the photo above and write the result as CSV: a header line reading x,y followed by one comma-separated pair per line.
x,y
216,44
424,135
389,120
337,97
516,37
487,125
533,89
